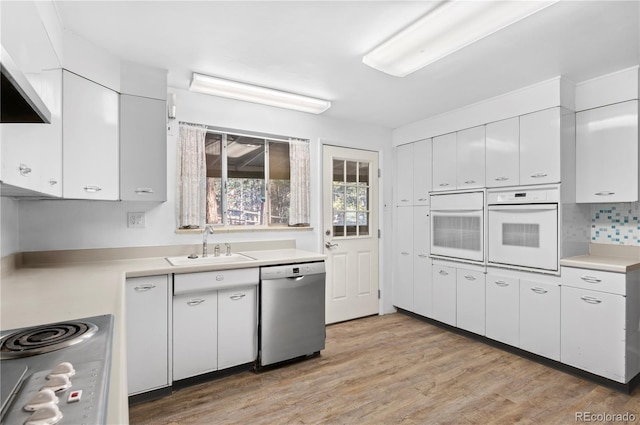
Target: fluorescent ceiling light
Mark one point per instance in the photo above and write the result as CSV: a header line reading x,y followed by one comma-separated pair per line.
x,y
249,93
450,27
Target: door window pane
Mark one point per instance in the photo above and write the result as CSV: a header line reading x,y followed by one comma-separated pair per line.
x,y
352,172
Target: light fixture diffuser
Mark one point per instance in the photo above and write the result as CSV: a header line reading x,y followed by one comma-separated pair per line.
x,y
450,27
249,93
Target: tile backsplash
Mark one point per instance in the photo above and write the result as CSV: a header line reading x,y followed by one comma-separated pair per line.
x,y
616,224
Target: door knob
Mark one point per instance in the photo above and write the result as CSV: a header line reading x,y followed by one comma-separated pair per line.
x,y
330,245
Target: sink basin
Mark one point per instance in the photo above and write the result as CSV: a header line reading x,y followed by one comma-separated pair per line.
x,y
222,259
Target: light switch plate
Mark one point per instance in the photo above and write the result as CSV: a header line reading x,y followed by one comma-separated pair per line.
x,y
136,220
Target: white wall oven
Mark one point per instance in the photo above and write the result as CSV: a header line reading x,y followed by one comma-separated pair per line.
x,y
523,228
457,226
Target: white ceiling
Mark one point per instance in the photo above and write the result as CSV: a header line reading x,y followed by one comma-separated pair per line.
x,y
316,48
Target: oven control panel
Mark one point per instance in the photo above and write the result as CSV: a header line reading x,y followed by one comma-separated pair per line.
x,y
524,196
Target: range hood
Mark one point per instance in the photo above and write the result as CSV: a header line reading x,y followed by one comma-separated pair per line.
x,y
19,101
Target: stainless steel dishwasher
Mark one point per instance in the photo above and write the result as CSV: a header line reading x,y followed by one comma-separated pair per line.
x,y
292,320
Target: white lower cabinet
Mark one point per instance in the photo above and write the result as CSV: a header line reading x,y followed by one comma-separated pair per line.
x,y
540,318
444,294
422,284
237,326
403,276
503,309
195,334
470,300
147,309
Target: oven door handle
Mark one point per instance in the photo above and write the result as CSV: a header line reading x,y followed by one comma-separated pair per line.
x,y
454,211
524,208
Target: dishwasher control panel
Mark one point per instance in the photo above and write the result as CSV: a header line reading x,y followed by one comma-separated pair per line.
x,y
291,270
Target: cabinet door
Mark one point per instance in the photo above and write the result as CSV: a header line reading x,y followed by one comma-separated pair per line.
x,y
470,310
237,326
593,332
90,140
444,162
540,147
607,153
503,153
403,282
143,149
147,301
444,294
195,334
470,162
422,286
422,172
404,175
502,307
540,318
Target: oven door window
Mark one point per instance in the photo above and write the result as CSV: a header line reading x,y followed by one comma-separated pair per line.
x,y
457,235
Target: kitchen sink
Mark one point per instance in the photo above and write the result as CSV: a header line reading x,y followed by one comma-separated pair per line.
x,y
222,259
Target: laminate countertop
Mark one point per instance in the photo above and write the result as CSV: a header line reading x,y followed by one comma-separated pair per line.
x,y
36,294
610,258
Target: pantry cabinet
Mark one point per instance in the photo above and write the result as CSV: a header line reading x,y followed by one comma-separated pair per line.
x,y
444,294
470,158
422,284
540,318
421,172
444,162
607,153
147,319
237,326
403,280
540,147
503,309
470,300
91,142
404,175
503,153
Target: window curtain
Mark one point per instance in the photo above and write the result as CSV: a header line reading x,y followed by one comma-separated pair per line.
x,y
300,183
192,176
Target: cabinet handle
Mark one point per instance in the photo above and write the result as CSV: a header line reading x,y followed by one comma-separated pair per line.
x,y
422,199
444,184
591,279
143,190
590,300
404,253
422,255
53,182
404,200
501,283
604,193
195,302
92,189
443,273
145,287
24,169
539,290
538,175
469,182
236,297
469,277
501,179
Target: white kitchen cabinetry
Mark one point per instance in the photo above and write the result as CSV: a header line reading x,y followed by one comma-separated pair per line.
x,y
444,162
404,175
444,294
421,171
502,309
422,286
503,153
195,334
540,318
470,310
237,326
540,137
607,153
147,309
90,140
143,149
470,158
403,282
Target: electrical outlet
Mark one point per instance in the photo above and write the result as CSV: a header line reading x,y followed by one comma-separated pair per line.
x,y
136,220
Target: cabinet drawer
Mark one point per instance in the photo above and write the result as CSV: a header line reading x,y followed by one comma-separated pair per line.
x,y
212,281
614,283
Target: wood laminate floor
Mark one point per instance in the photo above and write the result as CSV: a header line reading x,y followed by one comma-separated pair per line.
x,y
394,369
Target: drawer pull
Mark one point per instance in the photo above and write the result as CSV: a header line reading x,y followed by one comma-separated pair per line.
x,y
92,189
423,255
404,200
538,175
590,300
591,279
143,288
444,184
53,182
604,193
469,182
236,297
443,273
220,277
539,290
422,199
24,169
501,179
195,302
501,283
144,190
404,253
469,277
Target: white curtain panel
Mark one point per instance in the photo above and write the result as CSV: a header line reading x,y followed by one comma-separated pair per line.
x,y
192,176
300,197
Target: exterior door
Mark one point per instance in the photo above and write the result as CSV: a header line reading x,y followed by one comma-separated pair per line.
x,y
350,230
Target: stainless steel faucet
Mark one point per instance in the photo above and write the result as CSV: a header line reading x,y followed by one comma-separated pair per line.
x,y
208,230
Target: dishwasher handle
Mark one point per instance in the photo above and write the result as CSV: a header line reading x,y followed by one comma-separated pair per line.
x,y
295,277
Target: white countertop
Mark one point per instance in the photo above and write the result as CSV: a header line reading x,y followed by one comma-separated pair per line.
x,y
611,258
56,292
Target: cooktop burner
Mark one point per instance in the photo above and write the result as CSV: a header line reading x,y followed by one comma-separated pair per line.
x,y
43,339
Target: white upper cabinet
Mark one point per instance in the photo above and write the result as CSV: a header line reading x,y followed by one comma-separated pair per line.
x,y
470,160
404,175
90,135
444,162
421,172
540,137
503,153
607,153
